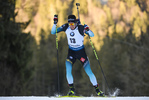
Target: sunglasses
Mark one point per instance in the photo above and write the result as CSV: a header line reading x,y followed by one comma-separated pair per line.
x,y
71,24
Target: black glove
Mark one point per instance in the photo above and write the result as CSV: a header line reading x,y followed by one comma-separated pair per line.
x,y
78,21
55,19
86,27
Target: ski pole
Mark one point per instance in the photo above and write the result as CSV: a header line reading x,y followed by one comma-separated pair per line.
x,y
78,4
98,62
57,62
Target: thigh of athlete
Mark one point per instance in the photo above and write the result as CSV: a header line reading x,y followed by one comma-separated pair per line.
x,y
71,56
81,56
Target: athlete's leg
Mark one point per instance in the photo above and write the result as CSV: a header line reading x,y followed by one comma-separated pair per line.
x,y
69,77
69,63
69,72
81,55
90,73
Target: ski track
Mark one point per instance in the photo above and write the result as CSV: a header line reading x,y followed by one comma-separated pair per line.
x,y
71,98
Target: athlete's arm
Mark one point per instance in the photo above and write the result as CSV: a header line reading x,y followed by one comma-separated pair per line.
x,y
59,29
88,31
53,30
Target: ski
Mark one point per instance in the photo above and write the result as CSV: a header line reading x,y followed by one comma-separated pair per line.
x,y
65,96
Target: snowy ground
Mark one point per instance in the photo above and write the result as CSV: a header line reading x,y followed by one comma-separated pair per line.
x,y
70,98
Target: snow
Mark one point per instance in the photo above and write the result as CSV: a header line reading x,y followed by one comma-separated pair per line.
x,y
71,98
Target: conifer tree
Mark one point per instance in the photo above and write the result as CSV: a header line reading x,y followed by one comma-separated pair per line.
x,y
15,51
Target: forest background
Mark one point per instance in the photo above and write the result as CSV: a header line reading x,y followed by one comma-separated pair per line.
x,y
28,61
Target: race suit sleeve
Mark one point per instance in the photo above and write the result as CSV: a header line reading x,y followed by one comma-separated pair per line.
x,y
90,33
82,31
59,29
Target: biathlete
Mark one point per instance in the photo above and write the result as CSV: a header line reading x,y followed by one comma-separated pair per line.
x,y
75,36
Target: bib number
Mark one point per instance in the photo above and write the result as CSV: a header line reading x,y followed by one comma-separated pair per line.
x,y
72,40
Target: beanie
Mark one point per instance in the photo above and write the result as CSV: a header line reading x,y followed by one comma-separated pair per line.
x,y
71,18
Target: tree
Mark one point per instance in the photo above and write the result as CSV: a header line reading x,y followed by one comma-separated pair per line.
x,y
15,51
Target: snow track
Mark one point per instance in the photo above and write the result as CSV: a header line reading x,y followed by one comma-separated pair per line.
x,y
70,98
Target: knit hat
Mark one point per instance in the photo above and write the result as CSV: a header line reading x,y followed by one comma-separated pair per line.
x,y
71,18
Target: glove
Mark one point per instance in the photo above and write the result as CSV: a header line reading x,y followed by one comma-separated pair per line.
x,y
55,19
86,28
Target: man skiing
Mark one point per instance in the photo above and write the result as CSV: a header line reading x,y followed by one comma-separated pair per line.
x,y
75,36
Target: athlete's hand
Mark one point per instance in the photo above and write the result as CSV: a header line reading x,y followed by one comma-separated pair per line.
x,y
86,27
55,19
78,21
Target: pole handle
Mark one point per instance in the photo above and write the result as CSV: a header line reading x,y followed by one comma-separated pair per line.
x,y
77,4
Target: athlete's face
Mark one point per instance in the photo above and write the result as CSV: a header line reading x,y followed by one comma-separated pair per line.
x,y
72,25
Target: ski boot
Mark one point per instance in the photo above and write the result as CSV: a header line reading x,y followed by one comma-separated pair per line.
x,y
71,91
98,91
